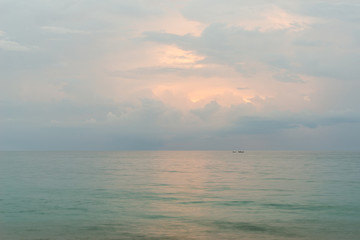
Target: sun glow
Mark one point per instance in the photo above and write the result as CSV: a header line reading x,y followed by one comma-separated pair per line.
x,y
176,57
188,95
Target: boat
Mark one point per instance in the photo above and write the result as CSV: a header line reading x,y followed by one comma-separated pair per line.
x,y
239,151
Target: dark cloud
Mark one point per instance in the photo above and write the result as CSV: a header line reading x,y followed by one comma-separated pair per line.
x,y
281,121
230,45
150,126
206,112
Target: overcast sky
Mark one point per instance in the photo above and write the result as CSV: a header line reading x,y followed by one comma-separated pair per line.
x,y
179,75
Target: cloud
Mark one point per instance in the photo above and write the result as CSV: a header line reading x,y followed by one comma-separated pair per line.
x,y
62,30
123,127
228,45
255,15
10,45
206,112
187,75
340,10
281,121
42,92
279,50
288,77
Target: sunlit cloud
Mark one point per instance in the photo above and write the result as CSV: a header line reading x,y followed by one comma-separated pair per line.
x,y
173,56
163,73
173,23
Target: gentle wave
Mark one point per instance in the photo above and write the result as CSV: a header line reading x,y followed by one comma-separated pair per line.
x,y
258,228
179,195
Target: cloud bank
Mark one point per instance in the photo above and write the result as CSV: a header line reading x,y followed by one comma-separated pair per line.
x,y
194,74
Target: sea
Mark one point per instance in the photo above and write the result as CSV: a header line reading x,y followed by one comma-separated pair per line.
x,y
180,195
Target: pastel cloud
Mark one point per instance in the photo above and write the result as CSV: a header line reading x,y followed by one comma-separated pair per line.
x,y
192,74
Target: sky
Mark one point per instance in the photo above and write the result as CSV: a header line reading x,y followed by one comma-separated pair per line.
x,y
179,75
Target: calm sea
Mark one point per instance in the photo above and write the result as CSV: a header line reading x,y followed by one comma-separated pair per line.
x,y
179,195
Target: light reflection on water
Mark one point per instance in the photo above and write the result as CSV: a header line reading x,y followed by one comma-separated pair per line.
x,y
179,195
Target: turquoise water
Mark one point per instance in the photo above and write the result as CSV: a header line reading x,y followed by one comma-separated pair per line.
x,y
179,195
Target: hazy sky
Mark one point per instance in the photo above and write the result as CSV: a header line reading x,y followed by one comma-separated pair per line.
x,y
179,74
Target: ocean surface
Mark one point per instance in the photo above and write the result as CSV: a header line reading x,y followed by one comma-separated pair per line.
x,y
179,195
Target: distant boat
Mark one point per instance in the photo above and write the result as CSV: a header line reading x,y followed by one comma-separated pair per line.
x,y
239,151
